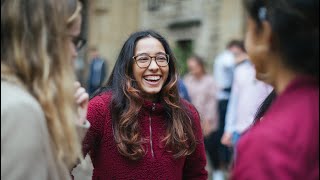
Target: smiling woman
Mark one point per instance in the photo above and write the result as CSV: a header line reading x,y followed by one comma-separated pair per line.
x,y
150,75
141,129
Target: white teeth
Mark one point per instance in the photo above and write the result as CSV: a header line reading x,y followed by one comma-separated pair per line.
x,y
152,78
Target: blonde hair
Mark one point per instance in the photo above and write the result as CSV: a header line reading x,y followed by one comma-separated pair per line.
x,y
34,53
75,10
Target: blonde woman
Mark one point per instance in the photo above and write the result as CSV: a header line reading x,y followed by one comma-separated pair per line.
x,y
39,98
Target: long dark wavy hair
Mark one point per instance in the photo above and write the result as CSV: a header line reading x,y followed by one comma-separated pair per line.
x,y
127,102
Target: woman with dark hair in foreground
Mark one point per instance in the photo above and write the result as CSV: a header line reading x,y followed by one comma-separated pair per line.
x,y
140,127
282,41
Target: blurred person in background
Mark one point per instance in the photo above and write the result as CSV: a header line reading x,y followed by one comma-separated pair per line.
x,y
247,93
183,91
140,127
97,71
282,41
223,69
41,105
202,91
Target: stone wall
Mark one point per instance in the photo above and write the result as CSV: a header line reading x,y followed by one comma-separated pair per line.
x,y
110,23
209,24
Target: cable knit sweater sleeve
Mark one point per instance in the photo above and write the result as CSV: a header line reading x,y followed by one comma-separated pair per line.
x,y
97,110
194,167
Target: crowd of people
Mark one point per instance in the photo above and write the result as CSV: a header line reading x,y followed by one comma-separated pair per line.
x,y
255,117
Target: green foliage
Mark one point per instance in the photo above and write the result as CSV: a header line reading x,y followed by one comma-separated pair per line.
x,y
182,53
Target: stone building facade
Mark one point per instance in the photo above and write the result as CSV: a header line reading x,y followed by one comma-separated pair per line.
x,y
191,26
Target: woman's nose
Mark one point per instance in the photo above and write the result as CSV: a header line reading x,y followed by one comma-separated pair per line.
x,y
153,65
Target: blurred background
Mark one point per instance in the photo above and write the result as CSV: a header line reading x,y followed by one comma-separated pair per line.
x,y
191,26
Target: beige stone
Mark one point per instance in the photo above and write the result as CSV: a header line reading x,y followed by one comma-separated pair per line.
x,y
112,21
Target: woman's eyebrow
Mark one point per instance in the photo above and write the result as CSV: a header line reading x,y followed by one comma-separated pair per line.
x,y
149,54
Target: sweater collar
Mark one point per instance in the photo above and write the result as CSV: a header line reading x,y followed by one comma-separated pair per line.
x,y
153,107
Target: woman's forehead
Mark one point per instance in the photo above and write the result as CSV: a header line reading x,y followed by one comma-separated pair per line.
x,y
149,45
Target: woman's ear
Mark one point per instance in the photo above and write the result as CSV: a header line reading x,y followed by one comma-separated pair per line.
x,y
264,43
258,45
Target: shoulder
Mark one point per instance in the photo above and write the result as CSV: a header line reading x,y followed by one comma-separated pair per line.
x,y
23,123
190,109
187,104
10,92
302,104
16,101
104,98
299,102
99,106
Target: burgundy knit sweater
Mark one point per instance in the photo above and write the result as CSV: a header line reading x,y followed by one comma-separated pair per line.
x,y
157,164
285,144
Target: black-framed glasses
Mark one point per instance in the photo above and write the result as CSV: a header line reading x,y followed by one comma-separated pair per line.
x,y
144,60
79,43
